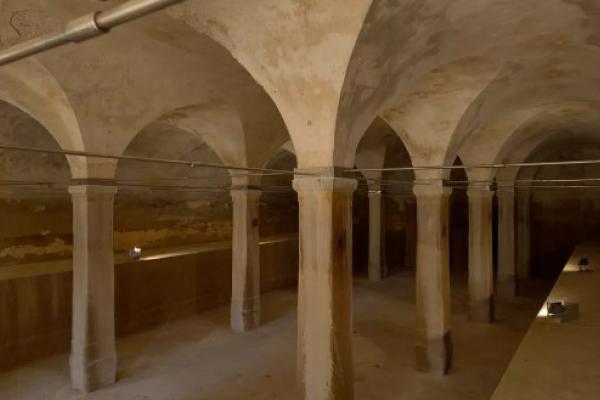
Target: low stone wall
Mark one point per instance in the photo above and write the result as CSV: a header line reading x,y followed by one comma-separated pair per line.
x,y
35,299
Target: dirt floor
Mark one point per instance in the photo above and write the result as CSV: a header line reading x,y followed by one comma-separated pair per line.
x,y
200,359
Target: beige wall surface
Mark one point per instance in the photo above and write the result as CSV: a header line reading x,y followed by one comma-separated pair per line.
x,y
35,311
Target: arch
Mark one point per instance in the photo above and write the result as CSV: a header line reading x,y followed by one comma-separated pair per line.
x,y
519,93
377,66
381,147
548,123
283,159
430,109
286,56
165,205
176,144
17,128
573,212
216,124
30,87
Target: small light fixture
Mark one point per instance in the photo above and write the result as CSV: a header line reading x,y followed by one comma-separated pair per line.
x,y
562,311
135,253
583,264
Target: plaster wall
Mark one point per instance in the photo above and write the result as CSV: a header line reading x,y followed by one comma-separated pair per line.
x,y
35,311
37,221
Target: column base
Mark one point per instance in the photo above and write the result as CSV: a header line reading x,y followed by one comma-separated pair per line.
x,y
88,376
482,311
520,287
245,315
436,356
376,273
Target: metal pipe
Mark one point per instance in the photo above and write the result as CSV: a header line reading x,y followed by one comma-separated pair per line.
x,y
476,166
191,164
397,182
136,185
559,187
555,180
85,28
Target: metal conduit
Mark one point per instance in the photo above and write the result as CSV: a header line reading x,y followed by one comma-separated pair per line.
x,y
191,164
394,182
141,185
476,166
269,171
85,28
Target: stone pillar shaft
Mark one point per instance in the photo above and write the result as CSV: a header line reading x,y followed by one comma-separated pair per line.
x,y
481,269
523,237
410,232
506,240
434,344
93,353
325,287
376,237
245,290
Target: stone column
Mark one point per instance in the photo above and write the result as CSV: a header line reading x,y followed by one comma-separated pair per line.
x,y
245,290
506,240
93,352
523,237
376,237
325,287
410,209
434,344
481,269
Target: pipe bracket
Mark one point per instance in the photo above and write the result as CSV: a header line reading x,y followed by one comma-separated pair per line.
x,y
83,28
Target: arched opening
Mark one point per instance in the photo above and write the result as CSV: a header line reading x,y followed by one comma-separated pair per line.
x,y
35,242
279,203
382,148
279,222
459,227
400,221
180,219
360,227
563,198
166,205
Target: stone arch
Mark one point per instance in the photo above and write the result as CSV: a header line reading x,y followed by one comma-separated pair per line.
x,y
542,124
429,110
280,212
165,205
31,88
216,124
382,147
305,90
18,128
573,212
522,92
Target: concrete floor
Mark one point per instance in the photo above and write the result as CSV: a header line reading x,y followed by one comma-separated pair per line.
x,y
561,361
200,359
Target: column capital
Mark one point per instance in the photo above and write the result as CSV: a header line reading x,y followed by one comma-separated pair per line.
x,y
376,194
93,189
505,188
324,184
480,190
431,189
245,192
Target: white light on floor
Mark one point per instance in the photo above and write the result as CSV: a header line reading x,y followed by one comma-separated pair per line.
x,y
543,313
